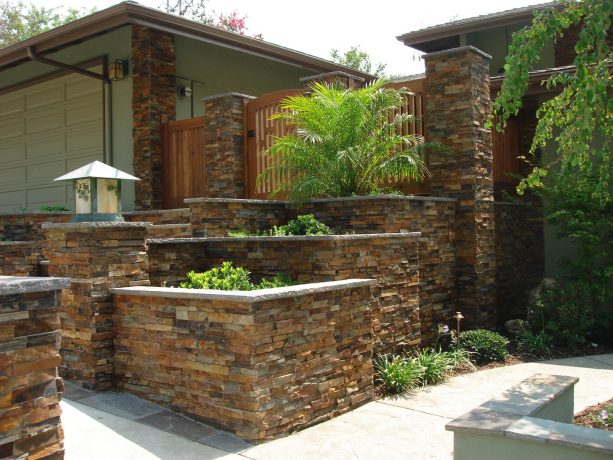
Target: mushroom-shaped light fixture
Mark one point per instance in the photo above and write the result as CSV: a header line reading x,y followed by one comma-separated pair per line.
x,y
97,189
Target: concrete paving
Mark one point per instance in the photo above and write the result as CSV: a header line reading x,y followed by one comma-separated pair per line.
x,y
410,426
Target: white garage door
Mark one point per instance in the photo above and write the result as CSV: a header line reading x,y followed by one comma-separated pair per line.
x,y
46,130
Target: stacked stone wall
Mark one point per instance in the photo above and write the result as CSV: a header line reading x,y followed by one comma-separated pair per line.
x,y
96,257
159,216
261,366
27,226
30,387
390,259
20,258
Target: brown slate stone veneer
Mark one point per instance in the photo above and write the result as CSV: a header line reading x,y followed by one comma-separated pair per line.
x,y
458,105
27,226
96,257
390,259
153,95
20,258
224,145
30,388
262,367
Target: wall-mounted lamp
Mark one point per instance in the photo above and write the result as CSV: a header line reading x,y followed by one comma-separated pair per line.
x,y
117,70
184,91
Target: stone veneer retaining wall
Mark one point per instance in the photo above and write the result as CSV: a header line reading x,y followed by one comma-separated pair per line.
x,y
260,363
153,96
391,259
458,105
30,388
96,257
20,258
520,257
159,216
27,226
433,217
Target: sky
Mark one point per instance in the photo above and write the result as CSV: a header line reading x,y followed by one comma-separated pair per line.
x,y
317,26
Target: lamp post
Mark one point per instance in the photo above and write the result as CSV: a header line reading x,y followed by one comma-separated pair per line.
x,y
97,189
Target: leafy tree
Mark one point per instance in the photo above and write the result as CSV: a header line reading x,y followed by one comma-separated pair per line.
x,y
578,121
357,59
19,21
346,143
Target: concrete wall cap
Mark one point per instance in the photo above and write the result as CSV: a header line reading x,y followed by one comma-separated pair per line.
x,y
35,213
10,285
17,243
260,295
348,237
86,225
233,200
321,200
160,212
461,49
224,95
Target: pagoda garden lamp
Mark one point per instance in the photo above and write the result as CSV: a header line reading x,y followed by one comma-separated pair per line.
x,y
97,189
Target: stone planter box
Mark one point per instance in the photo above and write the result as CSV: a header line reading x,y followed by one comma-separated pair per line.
x,y
390,259
259,363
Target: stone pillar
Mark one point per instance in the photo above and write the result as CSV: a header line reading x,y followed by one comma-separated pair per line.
x,y
343,79
457,106
30,388
96,256
224,139
153,95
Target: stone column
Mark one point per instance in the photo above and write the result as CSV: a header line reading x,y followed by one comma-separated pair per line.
x,y
457,106
96,256
153,95
30,388
224,138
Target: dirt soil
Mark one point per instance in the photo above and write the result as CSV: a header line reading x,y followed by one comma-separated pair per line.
x,y
593,416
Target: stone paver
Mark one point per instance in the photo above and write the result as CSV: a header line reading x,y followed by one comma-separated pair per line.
x,y
406,427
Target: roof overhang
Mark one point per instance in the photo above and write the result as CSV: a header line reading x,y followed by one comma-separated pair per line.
x,y
439,37
130,13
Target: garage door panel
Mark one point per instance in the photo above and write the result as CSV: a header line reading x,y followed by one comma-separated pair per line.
x,y
12,201
48,95
44,147
37,197
12,176
83,140
13,106
78,88
12,152
74,163
84,113
45,172
45,120
12,128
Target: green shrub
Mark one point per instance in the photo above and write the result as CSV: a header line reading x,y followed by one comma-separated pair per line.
x,y
485,346
303,225
535,343
54,208
229,278
397,373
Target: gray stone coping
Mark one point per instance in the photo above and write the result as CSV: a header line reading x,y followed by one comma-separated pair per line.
x,y
460,49
243,296
161,212
85,225
231,93
321,200
348,237
35,213
17,243
336,73
10,285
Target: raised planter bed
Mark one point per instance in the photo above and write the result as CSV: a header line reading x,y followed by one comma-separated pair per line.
x,y
259,363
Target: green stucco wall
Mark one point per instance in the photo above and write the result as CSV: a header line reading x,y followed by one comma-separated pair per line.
x,y
115,45
495,43
215,70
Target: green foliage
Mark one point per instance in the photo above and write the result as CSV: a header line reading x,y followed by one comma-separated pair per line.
x,y
565,312
229,278
397,373
357,59
534,343
485,346
346,143
305,224
19,21
54,208
435,364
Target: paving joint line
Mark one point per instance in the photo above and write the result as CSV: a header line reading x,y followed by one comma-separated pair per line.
x,y
414,410
600,362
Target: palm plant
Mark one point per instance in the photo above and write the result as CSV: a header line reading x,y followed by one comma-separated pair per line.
x,y
346,142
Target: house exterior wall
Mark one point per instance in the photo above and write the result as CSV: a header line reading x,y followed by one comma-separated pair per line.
x,y
118,116
215,70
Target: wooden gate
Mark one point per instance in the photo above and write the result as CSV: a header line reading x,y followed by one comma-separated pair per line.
x,y
183,161
261,132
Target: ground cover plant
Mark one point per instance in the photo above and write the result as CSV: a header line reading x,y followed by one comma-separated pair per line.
x,y
226,277
598,416
305,224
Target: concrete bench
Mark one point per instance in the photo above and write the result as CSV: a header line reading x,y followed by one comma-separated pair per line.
x,y
531,420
